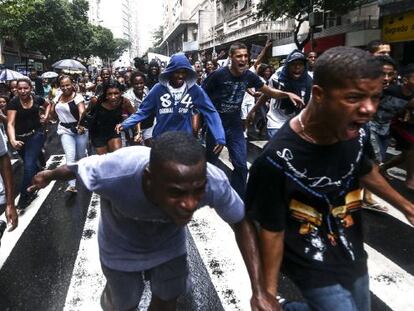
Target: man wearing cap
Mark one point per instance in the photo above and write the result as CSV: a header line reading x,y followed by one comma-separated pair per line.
x,y
292,77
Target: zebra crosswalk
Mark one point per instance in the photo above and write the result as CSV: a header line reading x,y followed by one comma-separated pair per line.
x,y
224,278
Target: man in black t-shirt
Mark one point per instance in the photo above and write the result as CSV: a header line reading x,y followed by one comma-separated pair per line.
x,y
226,88
305,189
37,83
403,128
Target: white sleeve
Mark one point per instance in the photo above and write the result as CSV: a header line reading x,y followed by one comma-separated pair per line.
x,y
3,141
79,98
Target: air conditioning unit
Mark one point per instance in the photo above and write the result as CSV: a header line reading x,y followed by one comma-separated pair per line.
x,y
315,19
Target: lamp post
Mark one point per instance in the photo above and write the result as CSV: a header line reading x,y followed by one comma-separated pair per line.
x,y
311,28
214,53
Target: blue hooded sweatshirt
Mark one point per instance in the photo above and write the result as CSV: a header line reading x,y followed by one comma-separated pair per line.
x,y
174,115
302,86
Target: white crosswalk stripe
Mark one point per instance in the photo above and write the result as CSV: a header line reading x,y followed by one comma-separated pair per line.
x,y
10,239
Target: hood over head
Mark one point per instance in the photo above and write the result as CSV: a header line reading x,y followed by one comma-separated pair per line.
x,y
178,61
304,83
296,55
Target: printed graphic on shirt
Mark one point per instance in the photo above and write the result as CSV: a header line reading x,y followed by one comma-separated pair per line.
x,y
184,105
322,206
311,221
321,181
233,93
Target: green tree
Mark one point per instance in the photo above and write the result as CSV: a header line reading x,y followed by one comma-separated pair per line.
x,y
300,10
157,38
119,47
58,29
104,45
13,14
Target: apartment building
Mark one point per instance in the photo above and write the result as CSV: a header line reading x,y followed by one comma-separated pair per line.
x,y
179,26
212,25
356,28
121,18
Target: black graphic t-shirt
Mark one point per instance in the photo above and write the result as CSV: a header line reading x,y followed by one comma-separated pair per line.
x,y
226,91
312,193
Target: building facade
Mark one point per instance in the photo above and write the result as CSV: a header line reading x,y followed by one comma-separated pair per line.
x,y
236,22
121,18
193,26
179,26
356,28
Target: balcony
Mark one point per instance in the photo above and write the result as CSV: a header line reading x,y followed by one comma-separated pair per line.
x,y
353,24
237,33
190,46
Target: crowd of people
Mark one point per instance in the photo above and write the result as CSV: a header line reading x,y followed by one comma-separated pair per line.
x,y
329,120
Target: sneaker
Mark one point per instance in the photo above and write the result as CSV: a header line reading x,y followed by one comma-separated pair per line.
x,y
25,200
71,189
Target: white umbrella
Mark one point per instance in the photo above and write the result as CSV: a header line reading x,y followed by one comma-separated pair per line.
x,y
8,75
69,64
49,75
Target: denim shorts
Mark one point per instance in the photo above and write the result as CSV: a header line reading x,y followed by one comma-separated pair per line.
x,y
168,281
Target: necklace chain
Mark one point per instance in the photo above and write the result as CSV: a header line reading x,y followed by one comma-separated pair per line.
x,y
303,128
26,103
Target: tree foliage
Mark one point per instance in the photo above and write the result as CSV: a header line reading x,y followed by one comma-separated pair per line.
x,y
300,9
157,38
58,29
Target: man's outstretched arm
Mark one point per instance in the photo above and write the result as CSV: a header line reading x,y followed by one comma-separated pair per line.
x,y
6,172
247,240
43,178
272,254
377,184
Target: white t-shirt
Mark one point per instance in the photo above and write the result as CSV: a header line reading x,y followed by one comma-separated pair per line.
x,y
136,102
275,116
63,112
248,100
3,151
177,93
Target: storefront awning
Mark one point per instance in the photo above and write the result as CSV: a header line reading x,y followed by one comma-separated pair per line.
x,y
324,43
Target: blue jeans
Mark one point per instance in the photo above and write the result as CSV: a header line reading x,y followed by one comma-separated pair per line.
x,y
335,297
74,146
236,145
379,145
30,153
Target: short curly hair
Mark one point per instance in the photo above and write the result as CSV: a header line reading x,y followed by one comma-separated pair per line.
x,y
336,66
178,147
